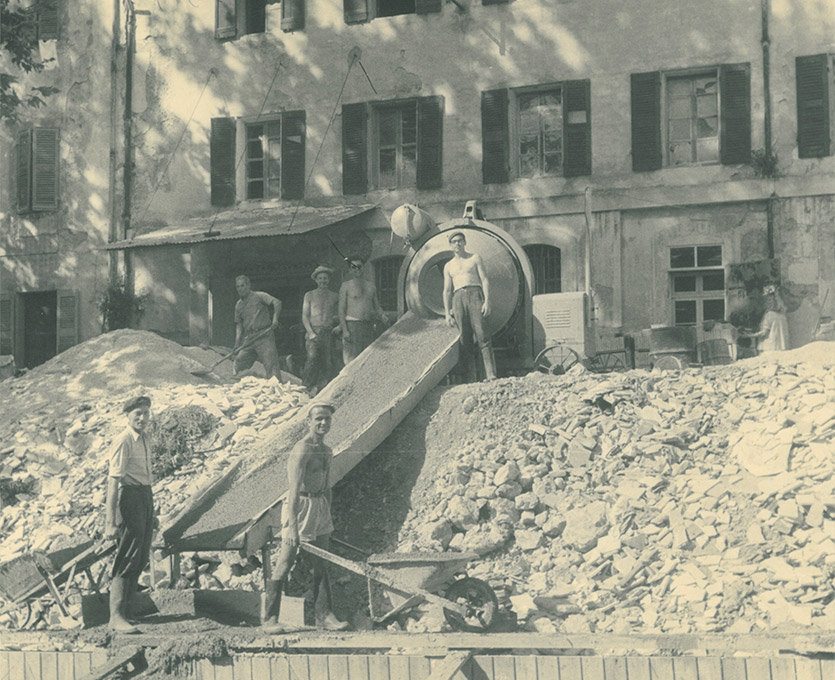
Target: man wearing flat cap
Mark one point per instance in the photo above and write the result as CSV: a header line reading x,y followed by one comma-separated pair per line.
x,y
129,510
320,316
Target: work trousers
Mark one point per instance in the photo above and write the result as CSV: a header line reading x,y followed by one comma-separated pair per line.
x,y
318,367
136,505
264,351
466,310
361,335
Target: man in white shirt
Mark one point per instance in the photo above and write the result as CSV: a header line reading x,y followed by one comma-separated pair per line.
x,y
129,510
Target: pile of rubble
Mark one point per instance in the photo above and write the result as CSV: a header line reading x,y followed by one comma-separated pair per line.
x,y
661,502
62,417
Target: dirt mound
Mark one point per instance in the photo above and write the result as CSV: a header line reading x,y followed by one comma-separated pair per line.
x,y
639,501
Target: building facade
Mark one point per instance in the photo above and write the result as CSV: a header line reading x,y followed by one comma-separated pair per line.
x,y
268,137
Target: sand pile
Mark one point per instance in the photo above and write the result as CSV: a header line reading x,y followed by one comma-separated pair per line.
x,y
638,501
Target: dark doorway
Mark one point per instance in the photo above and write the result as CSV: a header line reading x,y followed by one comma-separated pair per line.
x,y
40,327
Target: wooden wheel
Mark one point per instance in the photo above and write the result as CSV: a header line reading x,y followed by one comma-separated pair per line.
x,y
481,603
556,359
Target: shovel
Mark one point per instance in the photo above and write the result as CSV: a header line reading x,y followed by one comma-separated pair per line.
x,y
246,343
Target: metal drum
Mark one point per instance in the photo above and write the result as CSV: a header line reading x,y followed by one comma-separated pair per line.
x,y
424,282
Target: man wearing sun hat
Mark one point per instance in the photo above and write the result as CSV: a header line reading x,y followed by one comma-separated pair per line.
x,y
129,510
320,316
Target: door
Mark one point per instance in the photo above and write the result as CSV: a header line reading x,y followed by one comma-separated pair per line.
x,y
40,327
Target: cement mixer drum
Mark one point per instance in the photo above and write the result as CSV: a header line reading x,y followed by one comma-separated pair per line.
x,y
424,283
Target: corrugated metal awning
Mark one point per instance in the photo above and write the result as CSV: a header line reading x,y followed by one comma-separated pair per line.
x,y
233,224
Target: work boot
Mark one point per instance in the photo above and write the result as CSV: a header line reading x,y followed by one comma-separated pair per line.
x,y
330,622
489,363
118,622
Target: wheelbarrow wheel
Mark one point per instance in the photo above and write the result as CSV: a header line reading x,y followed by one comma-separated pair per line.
x,y
556,359
481,603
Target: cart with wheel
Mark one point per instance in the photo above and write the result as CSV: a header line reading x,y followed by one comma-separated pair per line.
x,y
409,579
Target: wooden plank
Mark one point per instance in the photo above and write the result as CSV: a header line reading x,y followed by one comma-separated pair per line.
x,y
338,667
525,668
261,667
733,668
279,668
504,667
4,664
398,668
66,668
571,668
242,667
16,667
418,667
592,668
299,668
318,666
32,665
378,667
709,668
686,668
757,668
827,669
204,669
358,667
614,667
661,668
82,663
483,668
224,668
637,668
808,669
782,668
547,668
102,666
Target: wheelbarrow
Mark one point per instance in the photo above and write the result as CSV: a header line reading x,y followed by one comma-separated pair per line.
x,y
469,604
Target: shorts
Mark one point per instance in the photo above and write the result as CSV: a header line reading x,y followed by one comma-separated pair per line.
x,y
313,515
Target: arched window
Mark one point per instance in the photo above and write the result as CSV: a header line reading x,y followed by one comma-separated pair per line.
x,y
386,270
547,268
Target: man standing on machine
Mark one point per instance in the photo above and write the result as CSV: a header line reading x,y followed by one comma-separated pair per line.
x,y
467,302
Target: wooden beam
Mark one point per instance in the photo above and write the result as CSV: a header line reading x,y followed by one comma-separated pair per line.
x,y
450,665
130,655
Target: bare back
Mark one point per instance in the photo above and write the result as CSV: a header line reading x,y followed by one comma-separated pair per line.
x,y
463,271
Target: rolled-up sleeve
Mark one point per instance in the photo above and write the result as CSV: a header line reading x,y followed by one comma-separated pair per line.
x,y
268,299
119,457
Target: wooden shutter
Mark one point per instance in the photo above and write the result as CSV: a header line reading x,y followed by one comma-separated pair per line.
x,y
427,6
292,154
356,11
255,20
430,131
48,25
7,323
23,174
577,122
813,133
292,15
495,137
45,159
646,121
67,320
354,149
226,19
222,161
735,102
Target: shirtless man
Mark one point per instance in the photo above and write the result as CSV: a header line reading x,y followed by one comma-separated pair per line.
x,y
320,316
358,306
467,302
306,516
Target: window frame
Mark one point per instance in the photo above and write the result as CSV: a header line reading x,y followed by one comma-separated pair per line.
x,y
515,128
265,178
691,74
376,109
380,265
699,295
551,250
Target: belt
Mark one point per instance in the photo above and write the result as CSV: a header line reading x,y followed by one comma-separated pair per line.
x,y
308,494
465,287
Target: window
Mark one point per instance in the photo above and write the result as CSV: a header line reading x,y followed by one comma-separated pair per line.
x,y
36,171
274,155
41,21
358,11
706,117
234,18
698,284
546,262
692,119
402,140
815,104
386,273
532,132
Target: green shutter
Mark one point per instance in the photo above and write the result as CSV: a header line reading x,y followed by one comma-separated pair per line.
x,y
23,173
292,154
355,11
577,123
68,314
813,133
48,25
292,15
735,102
354,149
430,142
7,323
495,139
222,161
226,19
646,121
427,6
45,159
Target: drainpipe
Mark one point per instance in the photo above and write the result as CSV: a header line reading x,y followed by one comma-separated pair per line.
x,y
765,7
113,230
130,48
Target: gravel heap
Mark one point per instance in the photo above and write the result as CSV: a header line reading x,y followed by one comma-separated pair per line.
x,y
62,417
689,501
